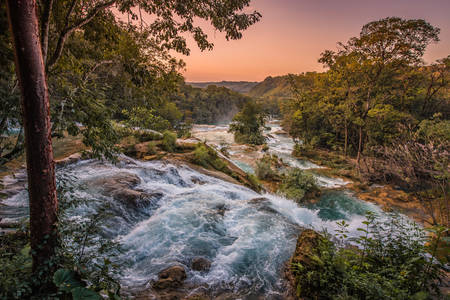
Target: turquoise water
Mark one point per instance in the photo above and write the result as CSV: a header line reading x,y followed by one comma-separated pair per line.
x,y
341,205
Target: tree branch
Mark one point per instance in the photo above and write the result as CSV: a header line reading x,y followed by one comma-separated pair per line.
x,y
45,24
69,29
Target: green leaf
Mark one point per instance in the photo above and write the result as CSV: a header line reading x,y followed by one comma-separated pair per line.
x,y
81,293
66,280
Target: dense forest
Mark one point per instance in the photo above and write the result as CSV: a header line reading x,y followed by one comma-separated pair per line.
x,y
210,105
237,86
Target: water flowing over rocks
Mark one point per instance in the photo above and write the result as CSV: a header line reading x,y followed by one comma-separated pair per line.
x,y
201,264
191,233
171,277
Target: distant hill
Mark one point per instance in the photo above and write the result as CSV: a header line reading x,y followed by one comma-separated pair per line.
x,y
272,87
237,86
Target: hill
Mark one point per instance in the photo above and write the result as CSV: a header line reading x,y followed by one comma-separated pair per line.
x,y
237,86
272,87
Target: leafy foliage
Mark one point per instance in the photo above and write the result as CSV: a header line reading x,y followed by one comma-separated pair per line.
x,y
266,167
169,141
207,157
392,261
298,185
85,260
248,124
210,105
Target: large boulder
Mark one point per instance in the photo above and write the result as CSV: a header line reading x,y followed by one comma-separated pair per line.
x,y
121,186
201,264
171,277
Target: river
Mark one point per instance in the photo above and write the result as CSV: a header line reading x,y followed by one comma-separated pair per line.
x,y
247,236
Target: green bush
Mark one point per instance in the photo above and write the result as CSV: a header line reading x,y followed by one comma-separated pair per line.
x,y
207,157
392,261
298,185
264,169
254,182
152,148
169,141
15,264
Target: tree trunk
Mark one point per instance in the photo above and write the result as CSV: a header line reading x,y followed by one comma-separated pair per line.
x,y
36,121
346,139
358,157
45,26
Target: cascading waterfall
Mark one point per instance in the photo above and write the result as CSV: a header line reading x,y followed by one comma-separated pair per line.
x,y
185,214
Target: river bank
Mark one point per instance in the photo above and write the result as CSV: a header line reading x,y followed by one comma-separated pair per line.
x,y
388,196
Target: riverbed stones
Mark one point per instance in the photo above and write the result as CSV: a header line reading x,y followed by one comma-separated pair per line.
x,y
171,277
200,264
121,186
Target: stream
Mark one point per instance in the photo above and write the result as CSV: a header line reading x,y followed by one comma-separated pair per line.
x,y
183,214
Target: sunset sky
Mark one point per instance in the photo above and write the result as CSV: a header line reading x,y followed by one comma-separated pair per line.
x,y
292,34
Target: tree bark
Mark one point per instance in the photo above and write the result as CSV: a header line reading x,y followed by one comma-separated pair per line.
x,y
346,138
36,121
358,157
45,25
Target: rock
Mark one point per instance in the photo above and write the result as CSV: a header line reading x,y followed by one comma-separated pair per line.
x,y
201,264
150,157
68,160
307,247
120,187
306,254
197,180
121,180
197,297
171,277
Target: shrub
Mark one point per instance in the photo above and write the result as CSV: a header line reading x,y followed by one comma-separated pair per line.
x,y
392,261
152,148
299,185
169,141
264,170
253,182
207,157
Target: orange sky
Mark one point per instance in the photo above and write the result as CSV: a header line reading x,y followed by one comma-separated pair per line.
x,y
292,34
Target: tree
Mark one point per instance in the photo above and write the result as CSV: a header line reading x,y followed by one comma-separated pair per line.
x,y
36,120
40,46
170,20
248,124
98,66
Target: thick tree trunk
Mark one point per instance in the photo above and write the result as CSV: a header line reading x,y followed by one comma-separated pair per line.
x,y
36,121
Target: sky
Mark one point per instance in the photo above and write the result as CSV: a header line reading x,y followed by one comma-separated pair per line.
x,y
292,34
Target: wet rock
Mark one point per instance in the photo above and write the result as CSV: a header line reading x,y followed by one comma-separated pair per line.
x,y
263,204
171,277
201,264
197,180
306,254
69,160
221,209
121,180
258,200
120,186
197,297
